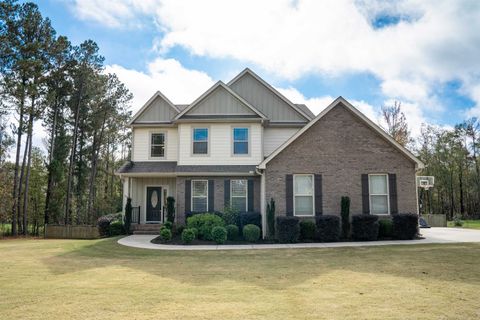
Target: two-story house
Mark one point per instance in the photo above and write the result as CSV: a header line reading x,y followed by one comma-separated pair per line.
x,y
242,143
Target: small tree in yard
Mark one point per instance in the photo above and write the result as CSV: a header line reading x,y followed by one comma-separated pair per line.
x,y
128,215
171,209
345,212
271,218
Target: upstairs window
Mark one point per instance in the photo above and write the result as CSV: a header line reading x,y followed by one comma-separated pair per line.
x,y
240,141
303,195
378,190
200,141
238,195
199,195
157,145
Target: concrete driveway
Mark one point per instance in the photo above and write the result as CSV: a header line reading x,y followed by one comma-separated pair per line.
x,y
432,235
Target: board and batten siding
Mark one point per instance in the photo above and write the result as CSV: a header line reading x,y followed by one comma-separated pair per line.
x,y
220,144
141,144
158,110
275,137
220,101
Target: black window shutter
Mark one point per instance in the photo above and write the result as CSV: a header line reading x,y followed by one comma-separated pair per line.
x,y
365,195
392,188
318,195
188,196
289,194
211,192
226,193
250,190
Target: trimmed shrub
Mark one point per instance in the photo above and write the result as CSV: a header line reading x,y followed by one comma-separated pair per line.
x,y
328,228
188,235
307,229
271,218
219,235
251,233
170,209
165,234
204,223
250,218
116,228
365,227
405,226
385,228
345,213
232,232
230,216
195,230
287,229
168,225
128,215
103,223
179,229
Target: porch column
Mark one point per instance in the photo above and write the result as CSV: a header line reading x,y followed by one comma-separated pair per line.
x,y
263,204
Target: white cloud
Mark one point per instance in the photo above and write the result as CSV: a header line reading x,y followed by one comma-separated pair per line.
x,y
177,83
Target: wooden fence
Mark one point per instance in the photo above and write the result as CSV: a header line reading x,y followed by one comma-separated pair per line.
x,y
435,220
71,232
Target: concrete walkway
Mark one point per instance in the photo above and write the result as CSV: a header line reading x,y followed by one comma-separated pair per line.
x,y
433,235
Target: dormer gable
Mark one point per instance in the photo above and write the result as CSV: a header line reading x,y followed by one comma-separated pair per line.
x,y
158,109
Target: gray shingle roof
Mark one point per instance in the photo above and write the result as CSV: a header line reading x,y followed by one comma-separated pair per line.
x,y
305,109
171,167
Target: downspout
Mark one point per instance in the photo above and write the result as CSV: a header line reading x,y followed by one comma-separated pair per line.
x,y
262,202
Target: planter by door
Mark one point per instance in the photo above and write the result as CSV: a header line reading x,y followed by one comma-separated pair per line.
x,y
154,204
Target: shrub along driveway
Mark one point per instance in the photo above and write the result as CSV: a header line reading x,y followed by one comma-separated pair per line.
x,y
87,279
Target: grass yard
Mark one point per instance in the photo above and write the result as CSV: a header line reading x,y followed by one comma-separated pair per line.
x,y
469,224
99,279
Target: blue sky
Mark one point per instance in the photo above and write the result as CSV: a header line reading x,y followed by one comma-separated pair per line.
x,y
422,53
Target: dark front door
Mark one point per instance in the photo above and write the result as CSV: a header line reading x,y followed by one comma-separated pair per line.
x,y
154,204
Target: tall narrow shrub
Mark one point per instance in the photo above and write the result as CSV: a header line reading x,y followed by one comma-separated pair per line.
x,y
345,212
271,218
128,215
171,209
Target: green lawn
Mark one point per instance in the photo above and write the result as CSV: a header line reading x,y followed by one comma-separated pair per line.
x,y
99,279
470,224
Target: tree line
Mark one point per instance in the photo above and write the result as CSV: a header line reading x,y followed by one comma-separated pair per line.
x,y
46,81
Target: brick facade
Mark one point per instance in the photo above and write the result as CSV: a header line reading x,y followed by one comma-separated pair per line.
x,y
341,148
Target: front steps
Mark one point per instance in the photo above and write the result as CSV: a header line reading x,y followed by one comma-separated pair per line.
x,y
145,228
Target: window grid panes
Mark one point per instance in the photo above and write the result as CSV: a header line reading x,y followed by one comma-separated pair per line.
x,y
238,195
199,195
200,141
240,140
378,190
157,145
303,195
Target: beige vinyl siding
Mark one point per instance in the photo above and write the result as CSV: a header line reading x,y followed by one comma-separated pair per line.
x,y
138,191
220,101
265,100
275,137
141,144
220,144
158,111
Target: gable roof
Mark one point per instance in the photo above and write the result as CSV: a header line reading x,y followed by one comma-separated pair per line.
x,y
368,122
305,109
307,115
156,95
221,85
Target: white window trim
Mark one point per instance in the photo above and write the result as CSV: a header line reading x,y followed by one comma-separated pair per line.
x,y
246,193
304,195
192,196
379,194
164,144
247,141
193,142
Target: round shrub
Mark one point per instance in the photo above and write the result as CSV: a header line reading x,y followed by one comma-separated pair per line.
x,y
179,229
251,233
116,228
385,228
232,232
307,229
219,235
168,225
165,234
204,223
365,227
328,228
405,226
287,229
188,235
250,218
103,224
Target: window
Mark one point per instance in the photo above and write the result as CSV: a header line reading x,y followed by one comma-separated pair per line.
x,y
378,190
199,195
303,195
200,141
157,145
240,140
238,195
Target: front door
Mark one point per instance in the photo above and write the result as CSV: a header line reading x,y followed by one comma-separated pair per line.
x,y
154,204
